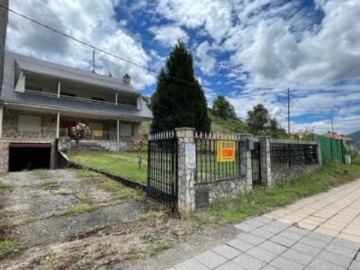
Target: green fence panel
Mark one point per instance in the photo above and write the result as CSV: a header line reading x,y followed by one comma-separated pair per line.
x,y
331,149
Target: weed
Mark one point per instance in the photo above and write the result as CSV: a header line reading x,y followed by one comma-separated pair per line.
x,y
79,208
27,220
8,246
63,192
4,187
161,246
47,261
86,200
49,185
119,190
81,174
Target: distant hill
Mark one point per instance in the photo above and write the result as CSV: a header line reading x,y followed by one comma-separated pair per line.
x,y
218,125
355,136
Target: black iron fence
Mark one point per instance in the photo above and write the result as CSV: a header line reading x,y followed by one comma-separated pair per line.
x,y
217,158
284,155
163,168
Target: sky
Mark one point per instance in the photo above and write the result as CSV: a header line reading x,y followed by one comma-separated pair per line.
x,y
250,51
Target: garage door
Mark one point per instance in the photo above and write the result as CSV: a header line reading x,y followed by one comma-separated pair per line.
x,y
29,156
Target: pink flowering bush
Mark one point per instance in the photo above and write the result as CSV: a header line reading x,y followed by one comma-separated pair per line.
x,y
79,132
139,145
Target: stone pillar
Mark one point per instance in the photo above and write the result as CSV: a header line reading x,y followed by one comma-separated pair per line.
x,y
58,125
245,155
1,119
265,161
186,171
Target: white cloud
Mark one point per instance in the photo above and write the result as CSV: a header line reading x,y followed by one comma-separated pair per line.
x,y
207,62
169,35
92,22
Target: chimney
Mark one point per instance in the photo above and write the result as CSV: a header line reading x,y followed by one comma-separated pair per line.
x,y
127,79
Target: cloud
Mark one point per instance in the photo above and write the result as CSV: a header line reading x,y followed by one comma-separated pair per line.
x,y
207,62
168,35
92,22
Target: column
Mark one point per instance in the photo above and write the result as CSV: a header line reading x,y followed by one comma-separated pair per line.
x,y
1,119
265,161
186,169
245,155
58,126
116,98
118,133
59,89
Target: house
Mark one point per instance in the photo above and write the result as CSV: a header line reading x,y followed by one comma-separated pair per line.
x,y
40,101
349,144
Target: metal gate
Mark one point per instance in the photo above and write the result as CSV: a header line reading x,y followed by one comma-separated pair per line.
x,y
163,169
256,164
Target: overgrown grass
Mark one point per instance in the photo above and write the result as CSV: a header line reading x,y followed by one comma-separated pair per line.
x,y
79,208
7,246
119,190
262,200
122,163
4,187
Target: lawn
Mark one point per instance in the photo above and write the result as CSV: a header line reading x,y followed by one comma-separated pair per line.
x,y
262,200
122,163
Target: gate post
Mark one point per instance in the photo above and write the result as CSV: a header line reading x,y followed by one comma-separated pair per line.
x,y
186,169
245,156
265,160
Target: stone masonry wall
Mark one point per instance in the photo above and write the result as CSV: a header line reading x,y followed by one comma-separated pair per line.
x,y
284,175
4,156
10,122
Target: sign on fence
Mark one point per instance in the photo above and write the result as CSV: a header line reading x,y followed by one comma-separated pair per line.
x,y
190,155
225,151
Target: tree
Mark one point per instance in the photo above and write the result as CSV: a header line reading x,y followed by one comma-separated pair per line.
x,y
179,100
223,108
258,118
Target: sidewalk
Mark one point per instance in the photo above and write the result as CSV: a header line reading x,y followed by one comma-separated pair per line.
x,y
319,232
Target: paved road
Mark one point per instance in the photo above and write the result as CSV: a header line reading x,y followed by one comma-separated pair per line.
x,y
319,232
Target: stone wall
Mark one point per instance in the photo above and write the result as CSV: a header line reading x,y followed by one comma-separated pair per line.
x,y
4,156
10,126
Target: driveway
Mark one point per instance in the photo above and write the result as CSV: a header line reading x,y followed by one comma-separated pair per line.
x,y
319,232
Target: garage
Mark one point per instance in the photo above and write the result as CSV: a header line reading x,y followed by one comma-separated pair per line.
x,y
29,156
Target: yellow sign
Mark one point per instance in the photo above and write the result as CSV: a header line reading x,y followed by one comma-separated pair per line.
x,y
225,151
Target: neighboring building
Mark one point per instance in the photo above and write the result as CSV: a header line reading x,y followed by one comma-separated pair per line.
x,y
348,142
3,26
41,101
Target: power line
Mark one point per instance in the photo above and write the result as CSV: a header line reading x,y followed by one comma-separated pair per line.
x,y
87,44
300,104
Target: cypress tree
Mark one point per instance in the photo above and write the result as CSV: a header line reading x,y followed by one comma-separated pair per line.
x,y
179,100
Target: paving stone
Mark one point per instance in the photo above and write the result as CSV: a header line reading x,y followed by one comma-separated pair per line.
x,y
286,264
341,250
262,233
262,219
250,238
319,264
227,251
269,267
306,249
296,256
272,229
291,235
273,247
210,259
320,236
355,265
279,224
248,262
240,245
297,230
313,242
262,254
335,258
282,241
253,222
244,227
346,243
190,265
229,266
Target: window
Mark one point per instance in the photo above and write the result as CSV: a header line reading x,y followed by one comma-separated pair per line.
x,y
29,123
126,130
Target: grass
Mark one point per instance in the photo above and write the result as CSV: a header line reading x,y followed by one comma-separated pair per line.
x,y
262,200
119,190
5,187
79,208
81,174
7,246
48,184
121,163
47,261
161,246
86,200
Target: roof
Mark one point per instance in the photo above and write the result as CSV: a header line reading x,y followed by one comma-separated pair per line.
x,y
336,136
8,94
33,65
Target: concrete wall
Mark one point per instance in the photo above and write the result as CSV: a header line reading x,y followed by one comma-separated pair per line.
x,y
284,175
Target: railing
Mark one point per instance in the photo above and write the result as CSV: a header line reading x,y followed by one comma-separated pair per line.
x,y
284,154
211,166
42,93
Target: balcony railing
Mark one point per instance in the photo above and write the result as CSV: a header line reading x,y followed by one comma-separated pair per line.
x,y
42,93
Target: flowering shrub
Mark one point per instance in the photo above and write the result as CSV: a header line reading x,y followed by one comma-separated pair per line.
x,y
140,145
79,132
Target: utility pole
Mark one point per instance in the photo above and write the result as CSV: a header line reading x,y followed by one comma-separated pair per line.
x,y
93,62
288,111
